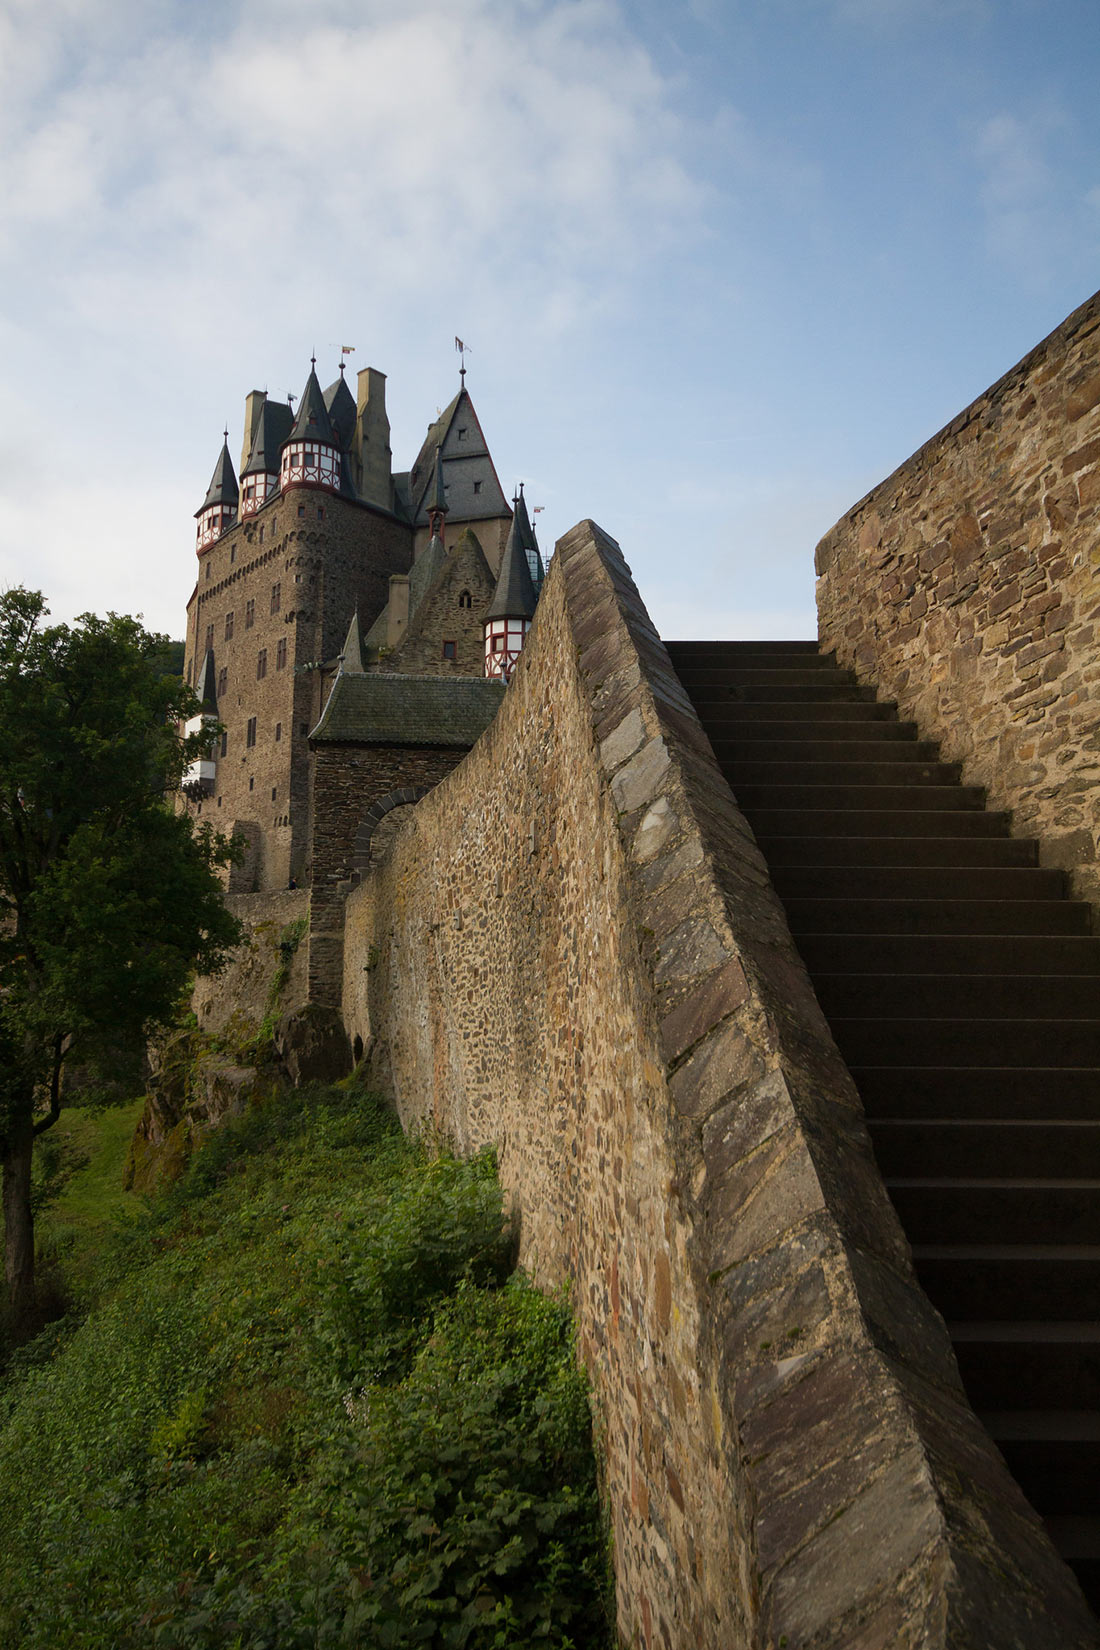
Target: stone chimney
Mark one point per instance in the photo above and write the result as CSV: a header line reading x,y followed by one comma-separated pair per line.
x,y
253,406
371,446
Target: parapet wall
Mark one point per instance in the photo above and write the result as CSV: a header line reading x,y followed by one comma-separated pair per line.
x,y
573,951
965,587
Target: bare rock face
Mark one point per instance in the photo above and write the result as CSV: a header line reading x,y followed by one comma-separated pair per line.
x,y
192,1089
312,1045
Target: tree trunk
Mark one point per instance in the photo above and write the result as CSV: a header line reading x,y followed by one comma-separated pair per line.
x,y
18,1220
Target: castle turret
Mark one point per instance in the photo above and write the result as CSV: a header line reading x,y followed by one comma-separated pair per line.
x,y
528,540
271,423
218,510
311,457
509,614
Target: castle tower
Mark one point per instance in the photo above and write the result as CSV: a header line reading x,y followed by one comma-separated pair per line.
x,y
312,455
271,423
508,616
218,510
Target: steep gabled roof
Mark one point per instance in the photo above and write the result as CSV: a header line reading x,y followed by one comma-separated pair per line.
x,y
424,570
458,435
223,487
272,430
342,411
514,596
408,710
312,422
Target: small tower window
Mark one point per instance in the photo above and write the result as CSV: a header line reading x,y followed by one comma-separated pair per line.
x,y
249,615
280,653
232,554
223,681
320,512
274,792
229,625
276,596
462,433
450,651
477,486
250,735
465,599
278,731
301,509
224,748
261,664
209,637
251,782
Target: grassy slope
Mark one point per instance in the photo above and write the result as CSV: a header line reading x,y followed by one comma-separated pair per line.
x,y
311,1406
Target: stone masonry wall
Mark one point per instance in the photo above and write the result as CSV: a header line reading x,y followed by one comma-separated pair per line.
x,y
347,780
965,587
573,951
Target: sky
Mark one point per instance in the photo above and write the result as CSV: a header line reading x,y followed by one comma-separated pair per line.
x,y
721,265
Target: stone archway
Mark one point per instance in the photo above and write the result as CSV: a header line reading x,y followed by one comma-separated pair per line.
x,y
375,814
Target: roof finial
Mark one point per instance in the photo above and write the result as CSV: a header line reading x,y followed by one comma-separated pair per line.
x,y
341,366
225,435
313,360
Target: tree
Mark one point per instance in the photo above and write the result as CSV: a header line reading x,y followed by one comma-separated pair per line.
x,y
108,898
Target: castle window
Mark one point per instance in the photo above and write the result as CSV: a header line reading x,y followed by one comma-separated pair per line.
x,y
320,512
249,615
477,486
301,509
274,792
261,664
232,554
209,637
276,596
208,572
251,782
450,651
229,625
261,535
280,653
224,748
223,680
465,599
250,735
278,731
462,433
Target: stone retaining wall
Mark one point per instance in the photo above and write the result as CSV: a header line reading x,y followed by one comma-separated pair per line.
x,y
573,951
965,587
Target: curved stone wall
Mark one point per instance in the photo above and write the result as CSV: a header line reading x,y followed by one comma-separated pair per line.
x,y
574,952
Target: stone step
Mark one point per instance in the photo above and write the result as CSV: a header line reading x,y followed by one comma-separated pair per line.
x,y
987,1147
1054,1456
744,713
839,796
684,652
938,1092
956,1210
816,823
1012,1281
789,734
932,882
968,1043
936,916
859,744
959,996
1037,1364
893,774
869,953
781,851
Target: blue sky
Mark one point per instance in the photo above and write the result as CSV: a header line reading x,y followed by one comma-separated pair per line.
x,y
722,264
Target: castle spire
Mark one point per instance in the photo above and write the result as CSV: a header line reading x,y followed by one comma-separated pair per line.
x,y
528,540
351,658
509,614
218,510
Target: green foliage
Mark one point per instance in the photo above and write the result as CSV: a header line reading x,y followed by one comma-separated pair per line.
x,y
314,1407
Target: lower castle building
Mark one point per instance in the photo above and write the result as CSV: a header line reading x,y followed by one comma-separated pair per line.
x,y
320,567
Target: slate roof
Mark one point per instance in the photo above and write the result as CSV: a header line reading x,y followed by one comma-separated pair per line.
x,y
514,596
351,659
466,458
223,487
342,411
424,569
527,539
272,430
408,710
313,422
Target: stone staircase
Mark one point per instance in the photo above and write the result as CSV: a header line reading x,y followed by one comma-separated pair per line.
x,y
962,986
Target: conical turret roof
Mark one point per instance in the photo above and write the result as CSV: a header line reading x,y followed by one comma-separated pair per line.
x,y
223,487
527,537
272,430
514,597
313,422
342,411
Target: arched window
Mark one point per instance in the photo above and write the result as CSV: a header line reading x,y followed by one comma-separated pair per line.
x,y
465,599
